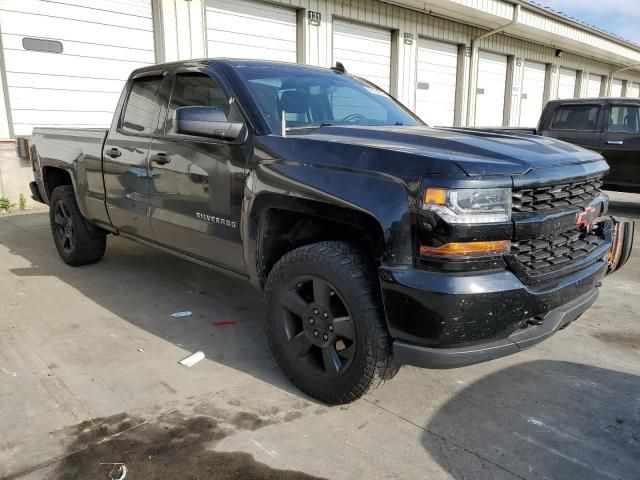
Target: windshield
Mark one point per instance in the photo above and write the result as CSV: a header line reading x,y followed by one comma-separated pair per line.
x,y
314,98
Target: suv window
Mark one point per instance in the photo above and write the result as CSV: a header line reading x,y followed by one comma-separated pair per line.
x,y
576,117
142,105
624,119
196,90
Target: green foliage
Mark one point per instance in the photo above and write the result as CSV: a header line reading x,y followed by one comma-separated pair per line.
x,y
6,205
22,202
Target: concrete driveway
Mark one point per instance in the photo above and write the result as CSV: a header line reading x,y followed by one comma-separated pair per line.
x,y
89,378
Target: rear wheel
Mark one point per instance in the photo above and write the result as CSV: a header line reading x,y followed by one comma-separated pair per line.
x,y
324,322
78,242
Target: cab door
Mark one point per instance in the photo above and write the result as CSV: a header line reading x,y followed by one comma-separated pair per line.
x,y
125,170
198,182
621,145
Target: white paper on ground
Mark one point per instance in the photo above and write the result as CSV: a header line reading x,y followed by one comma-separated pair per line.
x,y
182,314
192,359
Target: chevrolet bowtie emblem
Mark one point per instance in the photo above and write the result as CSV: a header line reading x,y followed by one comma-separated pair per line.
x,y
585,219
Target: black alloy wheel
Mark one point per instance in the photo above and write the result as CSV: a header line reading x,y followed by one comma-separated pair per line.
x,y
318,326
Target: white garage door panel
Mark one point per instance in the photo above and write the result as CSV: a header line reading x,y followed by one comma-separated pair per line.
x,y
52,64
42,118
365,51
78,31
593,86
634,90
55,11
102,42
79,49
567,83
492,76
533,80
24,99
616,88
58,82
244,29
436,76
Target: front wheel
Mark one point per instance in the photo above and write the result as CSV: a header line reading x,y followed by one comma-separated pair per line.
x,y
324,322
78,242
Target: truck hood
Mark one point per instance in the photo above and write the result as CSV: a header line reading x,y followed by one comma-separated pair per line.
x,y
476,152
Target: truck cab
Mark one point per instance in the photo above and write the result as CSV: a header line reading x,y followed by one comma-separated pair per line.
x,y
609,126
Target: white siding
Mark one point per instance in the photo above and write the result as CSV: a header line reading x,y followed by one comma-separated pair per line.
x,y
81,85
492,75
532,93
247,29
616,88
594,83
365,51
436,83
567,83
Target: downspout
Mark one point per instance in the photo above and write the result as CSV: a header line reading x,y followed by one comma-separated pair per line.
x,y
473,78
610,86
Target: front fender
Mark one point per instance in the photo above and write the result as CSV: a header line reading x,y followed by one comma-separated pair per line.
x,y
337,194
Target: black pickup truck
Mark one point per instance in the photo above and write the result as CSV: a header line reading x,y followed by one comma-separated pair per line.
x,y
609,126
378,241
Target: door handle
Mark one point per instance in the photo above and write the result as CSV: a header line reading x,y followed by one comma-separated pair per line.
x,y
160,158
113,152
615,142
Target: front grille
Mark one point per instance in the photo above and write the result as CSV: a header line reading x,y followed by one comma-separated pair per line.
x,y
552,252
557,197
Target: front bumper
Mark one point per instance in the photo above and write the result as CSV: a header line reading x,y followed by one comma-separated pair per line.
x,y
442,320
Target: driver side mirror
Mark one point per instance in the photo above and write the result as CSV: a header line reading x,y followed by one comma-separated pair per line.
x,y
206,122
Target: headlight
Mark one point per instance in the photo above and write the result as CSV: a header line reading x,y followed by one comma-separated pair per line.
x,y
483,205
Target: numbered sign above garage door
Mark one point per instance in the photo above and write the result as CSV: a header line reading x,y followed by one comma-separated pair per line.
x,y
567,83
66,63
532,96
246,29
492,77
364,51
437,74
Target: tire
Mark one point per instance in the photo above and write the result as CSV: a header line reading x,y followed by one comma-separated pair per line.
x,y
78,242
325,324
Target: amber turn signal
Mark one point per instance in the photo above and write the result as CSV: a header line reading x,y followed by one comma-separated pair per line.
x,y
437,196
466,248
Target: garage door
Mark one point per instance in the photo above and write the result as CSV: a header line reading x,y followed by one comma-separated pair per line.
x,y
593,86
634,90
245,29
436,82
66,62
492,76
364,51
567,83
616,88
532,97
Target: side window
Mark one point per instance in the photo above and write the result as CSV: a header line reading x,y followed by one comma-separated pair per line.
x,y
576,117
196,90
624,119
142,105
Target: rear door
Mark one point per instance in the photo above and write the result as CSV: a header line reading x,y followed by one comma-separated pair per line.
x,y
621,144
577,123
125,171
197,182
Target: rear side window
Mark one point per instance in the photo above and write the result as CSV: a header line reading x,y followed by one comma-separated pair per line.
x,y
142,105
576,117
624,119
196,90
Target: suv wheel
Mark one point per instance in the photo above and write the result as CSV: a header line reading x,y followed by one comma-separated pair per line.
x,y
78,242
324,322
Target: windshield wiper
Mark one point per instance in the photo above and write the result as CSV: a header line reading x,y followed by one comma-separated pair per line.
x,y
310,127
